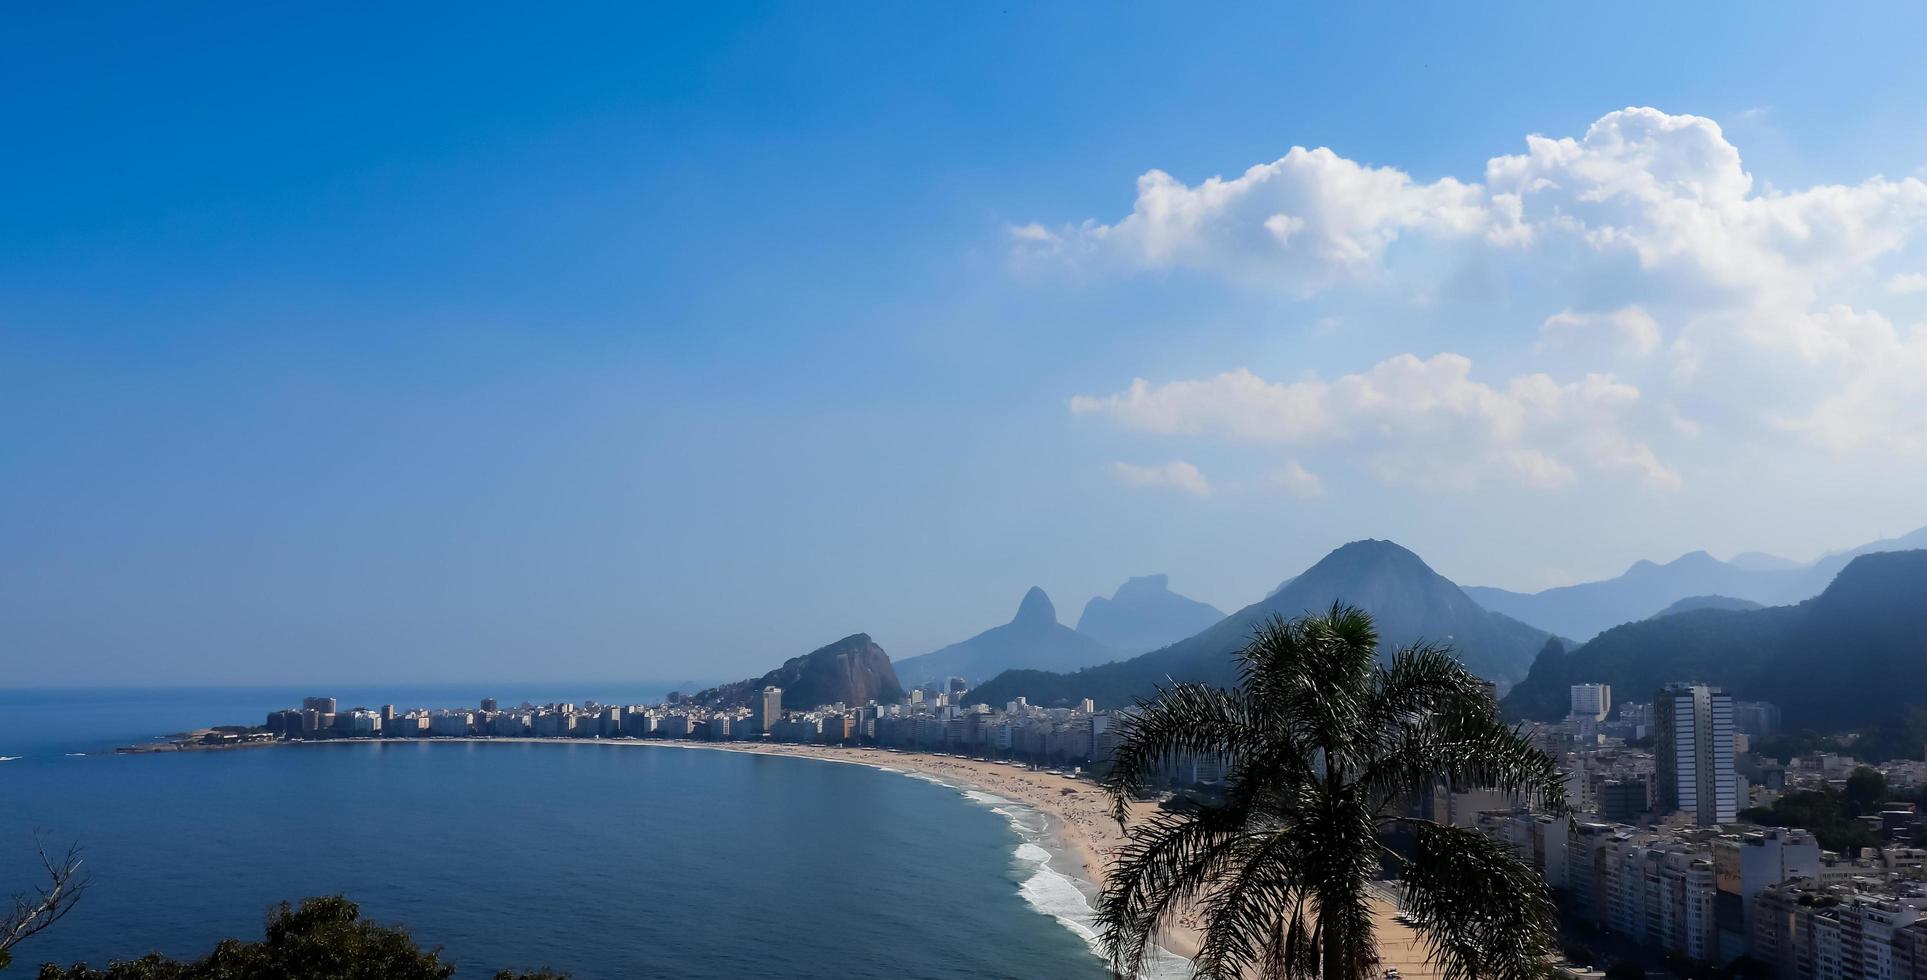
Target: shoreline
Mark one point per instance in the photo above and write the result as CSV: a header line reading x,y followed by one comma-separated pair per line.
x,y
1075,810
1080,835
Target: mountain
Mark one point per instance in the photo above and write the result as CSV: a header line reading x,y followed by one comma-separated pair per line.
x,y
1583,611
1821,572
1691,603
1034,638
1848,657
853,670
1760,561
1719,646
1144,614
1408,600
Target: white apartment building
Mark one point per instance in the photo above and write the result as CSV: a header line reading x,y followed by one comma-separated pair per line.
x,y
1594,701
1693,753
1650,888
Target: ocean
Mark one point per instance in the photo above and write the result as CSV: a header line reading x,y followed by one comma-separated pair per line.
x,y
602,860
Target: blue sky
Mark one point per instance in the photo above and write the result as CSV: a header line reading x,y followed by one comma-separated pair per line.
x,y
646,342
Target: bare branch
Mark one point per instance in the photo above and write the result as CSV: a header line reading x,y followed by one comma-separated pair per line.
x,y
36,910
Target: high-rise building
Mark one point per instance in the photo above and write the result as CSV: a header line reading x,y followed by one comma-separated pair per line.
x,y
324,706
1594,701
771,708
1745,865
387,714
1693,753
1623,800
488,704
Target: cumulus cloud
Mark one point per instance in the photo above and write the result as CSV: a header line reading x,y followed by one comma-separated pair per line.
x,y
1662,203
1409,420
1631,330
1175,475
1297,481
1878,401
1309,219
1904,283
1725,307
1665,193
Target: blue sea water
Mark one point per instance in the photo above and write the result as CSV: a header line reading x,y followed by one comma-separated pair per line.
x,y
603,860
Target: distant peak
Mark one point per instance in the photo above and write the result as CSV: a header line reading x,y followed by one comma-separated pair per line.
x,y
854,640
1143,585
1036,608
1373,546
1696,558
1373,550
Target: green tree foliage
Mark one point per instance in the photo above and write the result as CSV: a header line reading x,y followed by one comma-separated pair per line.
x,y
1879,742
1866,791
322,939
1323,745
1822,811
1846,658
1719,646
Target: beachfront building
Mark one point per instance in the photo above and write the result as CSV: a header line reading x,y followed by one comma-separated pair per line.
x,y
1747,864
1867,930
1693,753
769,708
1654,888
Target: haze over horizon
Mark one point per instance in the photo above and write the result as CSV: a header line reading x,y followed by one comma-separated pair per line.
x,y
425,354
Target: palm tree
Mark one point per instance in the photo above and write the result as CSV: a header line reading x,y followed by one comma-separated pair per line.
x,y
1323,747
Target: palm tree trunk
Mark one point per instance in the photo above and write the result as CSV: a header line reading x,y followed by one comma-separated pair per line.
x,y
1336,967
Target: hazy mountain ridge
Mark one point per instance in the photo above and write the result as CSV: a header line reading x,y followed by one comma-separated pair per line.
x,y
1033,638
1409,600
1823,661
1143,615
853,670
1645,589
1693,602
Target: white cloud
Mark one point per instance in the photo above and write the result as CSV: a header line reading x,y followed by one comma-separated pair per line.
x,y
1308,220
1176,475
1904,283
1658,201
1630,329
1658,207
1878,402
1581,247
1297,481
1410,420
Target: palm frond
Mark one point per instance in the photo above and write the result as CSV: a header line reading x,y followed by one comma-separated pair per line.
x,y
1318,740
1242,916
1309,677
1427,678
1164,864
1483,912
1183,720
1465,748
